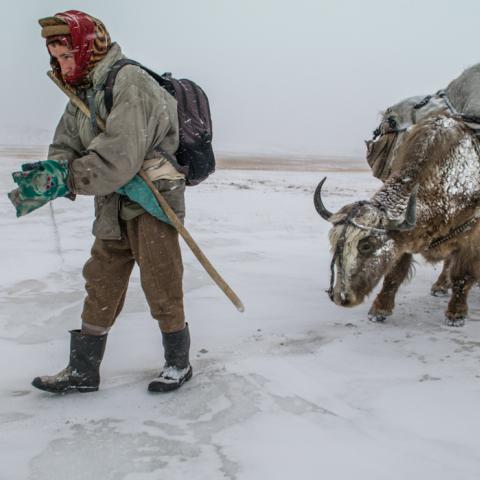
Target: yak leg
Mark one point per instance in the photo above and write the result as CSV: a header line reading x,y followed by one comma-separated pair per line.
x,y
443,283
383,304
457,309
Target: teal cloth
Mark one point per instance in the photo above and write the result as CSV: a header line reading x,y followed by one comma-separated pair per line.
x,y
38,183
138,191
33,192
46,179
24,206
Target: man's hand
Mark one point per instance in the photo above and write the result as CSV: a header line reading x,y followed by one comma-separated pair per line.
x,y
38,183
47,179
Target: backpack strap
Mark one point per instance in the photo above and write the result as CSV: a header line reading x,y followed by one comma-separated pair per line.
x,y
110,81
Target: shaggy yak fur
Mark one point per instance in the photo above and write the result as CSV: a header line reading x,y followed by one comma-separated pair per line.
x,y
383,148
439,168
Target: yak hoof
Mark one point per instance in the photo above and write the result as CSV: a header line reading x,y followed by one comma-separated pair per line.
x,y
439,292
455,322
377,317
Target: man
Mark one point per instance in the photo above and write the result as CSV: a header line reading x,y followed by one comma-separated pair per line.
x,y
141,127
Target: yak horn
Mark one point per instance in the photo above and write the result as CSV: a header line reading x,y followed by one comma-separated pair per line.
x,y
317,200
410,220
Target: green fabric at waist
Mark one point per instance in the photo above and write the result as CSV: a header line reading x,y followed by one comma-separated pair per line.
x,y
172,190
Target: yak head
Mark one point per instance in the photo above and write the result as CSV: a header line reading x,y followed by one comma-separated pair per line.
x,y
364,246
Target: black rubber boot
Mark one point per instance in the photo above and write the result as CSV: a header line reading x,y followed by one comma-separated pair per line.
x,y
177,368
82,373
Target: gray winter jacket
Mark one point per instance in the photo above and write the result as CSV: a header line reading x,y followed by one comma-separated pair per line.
x,y
143,116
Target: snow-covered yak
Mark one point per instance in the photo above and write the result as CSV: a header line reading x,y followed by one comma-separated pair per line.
x,y
389,135
461,98
428,205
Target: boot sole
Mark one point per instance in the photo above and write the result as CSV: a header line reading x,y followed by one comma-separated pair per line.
x,y
169,387
81,389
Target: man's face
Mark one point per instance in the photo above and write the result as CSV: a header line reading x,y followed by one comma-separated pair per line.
x,y
65,59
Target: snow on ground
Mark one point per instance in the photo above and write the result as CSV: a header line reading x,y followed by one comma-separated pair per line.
x,y
295,387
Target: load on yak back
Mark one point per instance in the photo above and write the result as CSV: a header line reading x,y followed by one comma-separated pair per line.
x,y
461,95
426,151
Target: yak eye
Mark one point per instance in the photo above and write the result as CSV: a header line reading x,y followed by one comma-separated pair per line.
x,y
366,246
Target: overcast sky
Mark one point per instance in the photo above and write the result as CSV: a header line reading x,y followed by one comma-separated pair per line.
x,y
303,76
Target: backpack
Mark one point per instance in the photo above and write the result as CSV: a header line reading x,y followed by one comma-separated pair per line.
x,y
194,157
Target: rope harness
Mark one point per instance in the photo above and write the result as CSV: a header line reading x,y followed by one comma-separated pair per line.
x,y
464,227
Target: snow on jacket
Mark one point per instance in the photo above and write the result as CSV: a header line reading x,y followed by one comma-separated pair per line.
x,y
143,116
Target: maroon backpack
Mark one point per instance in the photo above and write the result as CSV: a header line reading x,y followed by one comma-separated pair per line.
x,y
194,157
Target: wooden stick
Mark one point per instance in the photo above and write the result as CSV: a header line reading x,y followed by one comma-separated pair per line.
x,y
210,269
75,100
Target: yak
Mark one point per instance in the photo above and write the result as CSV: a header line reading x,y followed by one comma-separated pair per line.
x,y
388,136
460,99
428,205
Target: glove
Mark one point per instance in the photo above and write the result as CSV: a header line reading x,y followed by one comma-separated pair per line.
x,y
137,191
25,206
38,183
46,179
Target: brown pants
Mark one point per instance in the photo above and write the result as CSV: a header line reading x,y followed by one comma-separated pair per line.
x,y
154,246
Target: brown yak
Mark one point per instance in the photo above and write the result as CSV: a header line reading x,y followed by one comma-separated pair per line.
x,y
387,138
428,206
460,98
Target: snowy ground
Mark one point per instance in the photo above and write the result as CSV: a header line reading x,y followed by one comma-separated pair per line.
x,y
295,387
